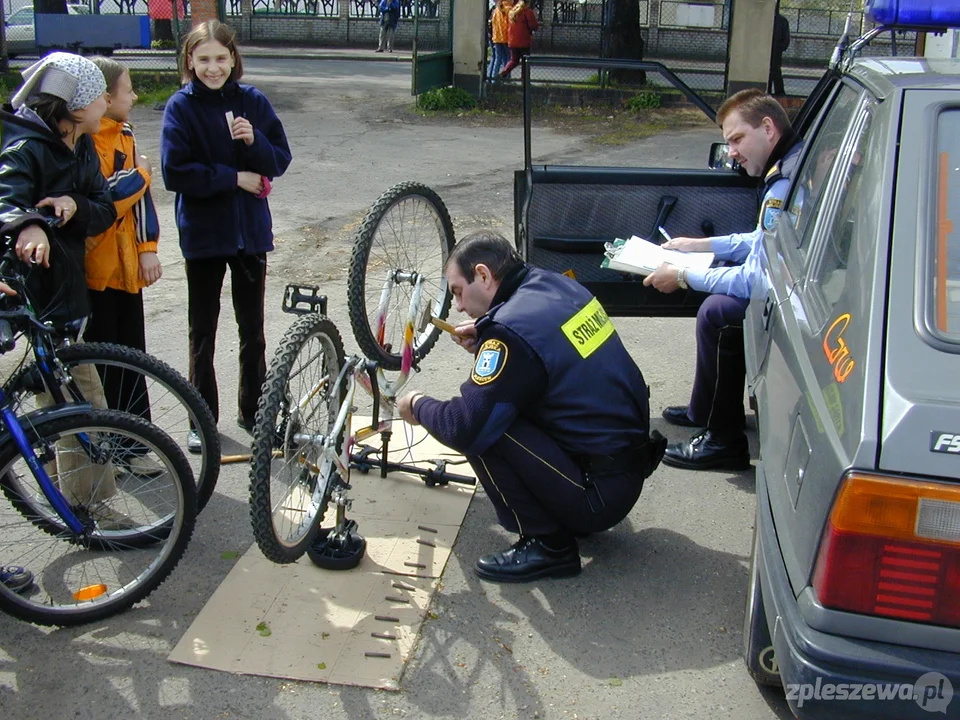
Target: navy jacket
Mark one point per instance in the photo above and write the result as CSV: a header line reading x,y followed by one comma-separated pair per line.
x,y
200,162
547,352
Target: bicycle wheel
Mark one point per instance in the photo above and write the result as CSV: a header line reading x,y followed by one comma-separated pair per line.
x,y
135,528
140,384
407,231
290,479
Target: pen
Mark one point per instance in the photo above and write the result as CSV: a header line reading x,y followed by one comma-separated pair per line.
x,y
666,235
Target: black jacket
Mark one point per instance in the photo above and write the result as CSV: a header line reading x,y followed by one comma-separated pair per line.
x,y
35,163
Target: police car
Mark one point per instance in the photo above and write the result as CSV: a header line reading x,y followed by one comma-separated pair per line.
x,y
853,355
853,350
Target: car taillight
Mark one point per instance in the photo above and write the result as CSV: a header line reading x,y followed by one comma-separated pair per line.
x,y
892,548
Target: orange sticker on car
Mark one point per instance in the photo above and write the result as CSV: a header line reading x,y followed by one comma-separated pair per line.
x,y
836,350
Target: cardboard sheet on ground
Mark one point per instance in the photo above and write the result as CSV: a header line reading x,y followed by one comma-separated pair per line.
x,y
323,625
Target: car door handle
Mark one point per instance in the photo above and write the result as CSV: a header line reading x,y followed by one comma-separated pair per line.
x,y
768,307
664,208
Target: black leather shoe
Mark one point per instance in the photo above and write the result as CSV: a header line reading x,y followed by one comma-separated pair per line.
x,y
677,415
244,424
529,559
705,452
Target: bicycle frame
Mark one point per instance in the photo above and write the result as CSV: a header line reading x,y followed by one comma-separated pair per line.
x,y
50,491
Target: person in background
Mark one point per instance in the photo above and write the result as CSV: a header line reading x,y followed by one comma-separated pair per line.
x,y
520,28
499,21
389,19
781,41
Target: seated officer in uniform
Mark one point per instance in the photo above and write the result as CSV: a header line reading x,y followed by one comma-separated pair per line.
x,y
554,417
763,142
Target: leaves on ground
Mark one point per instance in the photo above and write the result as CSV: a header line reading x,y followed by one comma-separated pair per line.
x,y
264,629
229,555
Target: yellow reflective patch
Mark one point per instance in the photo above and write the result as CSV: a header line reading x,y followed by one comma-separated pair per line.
x,y
491,359
570,274
589,328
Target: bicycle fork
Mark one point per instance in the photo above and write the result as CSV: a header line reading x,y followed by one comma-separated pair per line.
x,y
50,490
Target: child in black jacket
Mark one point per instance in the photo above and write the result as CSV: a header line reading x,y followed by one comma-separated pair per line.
x,y
48,167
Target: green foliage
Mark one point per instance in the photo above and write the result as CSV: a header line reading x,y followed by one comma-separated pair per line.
x,y
643,101
448,99
163,45
154,87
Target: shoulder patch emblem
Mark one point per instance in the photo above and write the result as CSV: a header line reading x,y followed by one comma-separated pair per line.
x,y
770,213
491,359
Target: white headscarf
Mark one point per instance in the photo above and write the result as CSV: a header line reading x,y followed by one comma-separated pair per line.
x,y
71,77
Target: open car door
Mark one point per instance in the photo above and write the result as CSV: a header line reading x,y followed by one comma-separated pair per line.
x,y
564,214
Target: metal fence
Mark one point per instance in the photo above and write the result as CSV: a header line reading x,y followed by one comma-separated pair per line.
x,y
690,37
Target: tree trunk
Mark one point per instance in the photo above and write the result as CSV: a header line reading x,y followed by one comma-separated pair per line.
x,y
52,7
625,40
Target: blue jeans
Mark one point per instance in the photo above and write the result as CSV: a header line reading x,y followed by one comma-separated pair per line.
x,y
498,58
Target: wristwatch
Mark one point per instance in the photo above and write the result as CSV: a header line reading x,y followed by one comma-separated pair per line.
x,y
682,278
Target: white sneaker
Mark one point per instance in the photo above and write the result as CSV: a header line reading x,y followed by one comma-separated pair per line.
x,y
144,466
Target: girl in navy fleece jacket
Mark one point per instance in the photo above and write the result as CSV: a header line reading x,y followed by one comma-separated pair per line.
x,y
221,144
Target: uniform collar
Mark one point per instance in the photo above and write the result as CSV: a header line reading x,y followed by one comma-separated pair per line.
x,y
508,286
783,146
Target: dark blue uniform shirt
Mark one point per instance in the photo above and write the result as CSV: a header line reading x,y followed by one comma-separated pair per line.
x,y
547,352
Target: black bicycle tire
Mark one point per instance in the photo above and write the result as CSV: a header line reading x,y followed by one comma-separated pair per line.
x,y
18,605
175,383
357,285
270,406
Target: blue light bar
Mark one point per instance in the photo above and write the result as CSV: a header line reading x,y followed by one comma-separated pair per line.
x,y
914,13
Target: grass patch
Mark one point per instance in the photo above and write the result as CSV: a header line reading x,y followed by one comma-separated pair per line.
x,y
448,99
153,88
643,101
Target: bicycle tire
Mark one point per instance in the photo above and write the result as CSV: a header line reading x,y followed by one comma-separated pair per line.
x,y
175,404
88,576
422,235
287,498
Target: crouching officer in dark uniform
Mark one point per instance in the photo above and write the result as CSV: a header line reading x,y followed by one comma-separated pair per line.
x,y
554,418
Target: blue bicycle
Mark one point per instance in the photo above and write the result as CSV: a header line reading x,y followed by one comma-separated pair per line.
x,y
97,534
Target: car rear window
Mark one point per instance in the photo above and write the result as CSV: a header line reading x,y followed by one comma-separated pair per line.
x,y
945,305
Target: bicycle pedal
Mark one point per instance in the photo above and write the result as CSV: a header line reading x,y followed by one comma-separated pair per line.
x,y
303,300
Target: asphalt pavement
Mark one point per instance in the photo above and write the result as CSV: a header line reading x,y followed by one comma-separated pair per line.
x,y
652,628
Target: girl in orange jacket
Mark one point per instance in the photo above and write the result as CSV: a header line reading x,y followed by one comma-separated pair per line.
x,y
123,260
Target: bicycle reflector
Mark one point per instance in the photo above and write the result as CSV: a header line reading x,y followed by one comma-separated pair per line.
x,y
914,13
892,548
90,592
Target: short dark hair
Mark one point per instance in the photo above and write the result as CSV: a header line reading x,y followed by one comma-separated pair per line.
x,y
51,109
487,248
754,105
210,30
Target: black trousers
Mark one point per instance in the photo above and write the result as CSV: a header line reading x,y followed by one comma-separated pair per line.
x,y
716,401
117,317
775,86
204,284
538,489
